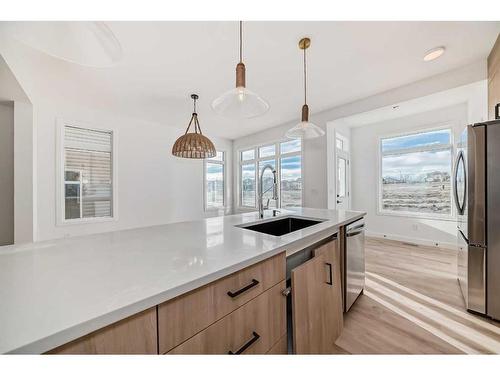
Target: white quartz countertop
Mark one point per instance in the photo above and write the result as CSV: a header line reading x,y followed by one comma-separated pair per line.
x,y
52,292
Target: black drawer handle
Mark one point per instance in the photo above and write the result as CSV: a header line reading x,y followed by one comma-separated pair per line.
x,y
254,338
330,273
244,289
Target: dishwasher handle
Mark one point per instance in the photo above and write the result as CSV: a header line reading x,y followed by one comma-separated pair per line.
x,y
360,226
354,233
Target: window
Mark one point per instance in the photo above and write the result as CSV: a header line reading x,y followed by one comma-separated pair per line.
x,y
87,174
342,177
214,181
286,159
415,174
248,185
340,143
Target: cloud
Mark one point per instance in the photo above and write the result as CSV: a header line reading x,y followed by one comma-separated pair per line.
x,y
417,163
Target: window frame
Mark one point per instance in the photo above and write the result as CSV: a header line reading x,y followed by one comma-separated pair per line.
x,y
224,182
277,158
427,129
61,180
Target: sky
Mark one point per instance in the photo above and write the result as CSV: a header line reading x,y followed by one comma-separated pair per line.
x,y
416,140
416,163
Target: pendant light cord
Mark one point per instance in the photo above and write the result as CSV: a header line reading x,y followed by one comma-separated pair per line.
x,y
194,118
305,78
197,127
241,41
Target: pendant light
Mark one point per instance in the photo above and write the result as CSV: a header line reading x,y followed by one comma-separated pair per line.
x,y
194,145
240,102
305,129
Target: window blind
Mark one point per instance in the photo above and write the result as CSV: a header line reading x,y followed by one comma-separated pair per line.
x,y
88,159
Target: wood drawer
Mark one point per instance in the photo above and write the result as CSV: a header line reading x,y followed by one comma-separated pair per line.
x,y
185,316
260,324
281,347
133,335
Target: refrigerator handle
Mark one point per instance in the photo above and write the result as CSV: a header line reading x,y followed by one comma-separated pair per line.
x,y
455,175
460,205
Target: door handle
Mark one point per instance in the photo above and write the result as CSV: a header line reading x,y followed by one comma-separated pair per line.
x,y
244,289
330,269
255,337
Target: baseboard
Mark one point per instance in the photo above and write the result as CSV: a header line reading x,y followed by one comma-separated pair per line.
x,y
412,240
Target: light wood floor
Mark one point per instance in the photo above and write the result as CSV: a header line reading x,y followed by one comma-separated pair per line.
x,y
413,305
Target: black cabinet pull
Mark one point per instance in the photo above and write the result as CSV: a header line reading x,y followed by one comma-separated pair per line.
x,y
244,289
330,282
254,338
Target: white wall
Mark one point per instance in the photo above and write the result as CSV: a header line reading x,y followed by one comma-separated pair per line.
x,y
24,173
6,173
24,146
365,176
153,186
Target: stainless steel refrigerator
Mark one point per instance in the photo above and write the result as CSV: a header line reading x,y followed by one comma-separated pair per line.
x,y
477,199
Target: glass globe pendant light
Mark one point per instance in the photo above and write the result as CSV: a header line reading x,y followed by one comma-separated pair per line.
x,y
194,145
240,102
305,129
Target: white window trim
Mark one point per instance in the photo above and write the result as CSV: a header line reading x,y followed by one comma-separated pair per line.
x,y
224,178
415,215
277,158
60,178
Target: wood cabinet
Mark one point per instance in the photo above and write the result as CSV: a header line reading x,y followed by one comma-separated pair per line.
x,y
185,316
281,347
317,301
134,335
243,313
254,328
494,79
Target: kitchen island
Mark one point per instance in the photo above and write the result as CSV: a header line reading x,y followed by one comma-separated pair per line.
x,y
56,291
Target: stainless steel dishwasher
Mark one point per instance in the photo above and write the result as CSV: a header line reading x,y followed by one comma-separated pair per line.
x,y
354,263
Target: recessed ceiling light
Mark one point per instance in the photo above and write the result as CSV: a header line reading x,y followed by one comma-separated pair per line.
x,y
433,53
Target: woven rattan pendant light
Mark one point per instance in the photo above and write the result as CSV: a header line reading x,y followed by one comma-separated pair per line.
x,y
194,145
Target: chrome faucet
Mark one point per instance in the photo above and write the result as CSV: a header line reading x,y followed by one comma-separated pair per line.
x,y
261,193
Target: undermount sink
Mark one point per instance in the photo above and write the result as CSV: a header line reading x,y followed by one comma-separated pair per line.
x,y
282,226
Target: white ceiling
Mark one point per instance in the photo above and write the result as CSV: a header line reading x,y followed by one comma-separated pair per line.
x,y
164,62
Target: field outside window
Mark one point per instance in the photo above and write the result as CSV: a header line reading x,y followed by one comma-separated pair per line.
x,y
416,174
